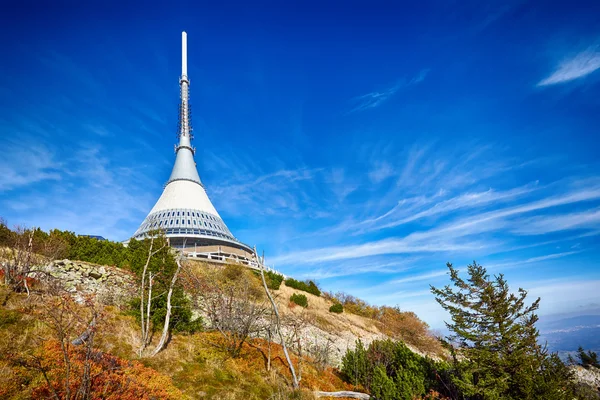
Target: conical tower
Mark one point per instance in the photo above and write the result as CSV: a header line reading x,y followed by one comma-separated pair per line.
x,y
184,212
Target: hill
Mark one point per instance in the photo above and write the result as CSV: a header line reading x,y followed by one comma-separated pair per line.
x,y
156,325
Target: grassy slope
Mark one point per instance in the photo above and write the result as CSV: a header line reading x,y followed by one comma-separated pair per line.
x,y
195,363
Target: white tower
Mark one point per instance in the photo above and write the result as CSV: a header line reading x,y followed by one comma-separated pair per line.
x,y
184,211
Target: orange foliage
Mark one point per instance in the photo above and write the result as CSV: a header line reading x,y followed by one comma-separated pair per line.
x,y
328,379
254,356
407,326
111,377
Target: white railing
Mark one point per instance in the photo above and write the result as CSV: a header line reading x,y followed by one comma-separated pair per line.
x,y
222,257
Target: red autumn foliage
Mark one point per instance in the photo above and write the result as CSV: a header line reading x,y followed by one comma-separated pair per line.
x,y
111,377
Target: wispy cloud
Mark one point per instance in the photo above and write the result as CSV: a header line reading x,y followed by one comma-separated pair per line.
x,y
462,201
582,64
377,98
589,219
407,245
381,172
23,164
457,235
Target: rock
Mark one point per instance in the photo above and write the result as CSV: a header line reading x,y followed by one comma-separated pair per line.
x,y
589,376
94,274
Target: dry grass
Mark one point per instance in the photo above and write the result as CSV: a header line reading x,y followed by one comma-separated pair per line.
x,y
318,308
195,363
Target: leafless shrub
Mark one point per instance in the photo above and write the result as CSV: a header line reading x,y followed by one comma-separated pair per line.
x,y
233,302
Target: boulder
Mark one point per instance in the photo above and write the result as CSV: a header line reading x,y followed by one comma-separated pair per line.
x,y
95,274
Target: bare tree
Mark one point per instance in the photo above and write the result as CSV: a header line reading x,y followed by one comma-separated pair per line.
x,y
163,338
146,286
232,302
295,380
25,251
18,260
66,320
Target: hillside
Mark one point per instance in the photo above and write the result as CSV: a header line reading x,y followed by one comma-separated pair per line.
x,y
192,366
157,326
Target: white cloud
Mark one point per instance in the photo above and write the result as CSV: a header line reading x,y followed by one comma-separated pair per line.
x,y
467,200
375,99
381,172
589,219
563,296
450,237
407,245
577,67
23,164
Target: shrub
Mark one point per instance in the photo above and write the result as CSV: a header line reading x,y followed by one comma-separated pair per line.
x,y
308,286
336,308
122,379
389,370
356,306
273,279
299,299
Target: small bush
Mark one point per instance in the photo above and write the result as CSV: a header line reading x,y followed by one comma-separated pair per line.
x,y
273,279
336,308
391,371
299,299
308,286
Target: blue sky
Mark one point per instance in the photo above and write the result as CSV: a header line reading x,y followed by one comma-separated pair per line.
x,y
363,144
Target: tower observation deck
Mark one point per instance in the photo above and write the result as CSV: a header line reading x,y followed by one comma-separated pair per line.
x,y
184,212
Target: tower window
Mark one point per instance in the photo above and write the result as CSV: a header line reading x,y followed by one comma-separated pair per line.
x,y
194,222
189,223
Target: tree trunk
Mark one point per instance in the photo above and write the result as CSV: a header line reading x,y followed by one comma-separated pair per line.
x,y
344,394
146,328
165,332
285,351
142,288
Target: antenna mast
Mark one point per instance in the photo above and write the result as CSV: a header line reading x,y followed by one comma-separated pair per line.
x,y
185,117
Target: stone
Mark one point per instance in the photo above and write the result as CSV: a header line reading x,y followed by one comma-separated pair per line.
x,y
95,274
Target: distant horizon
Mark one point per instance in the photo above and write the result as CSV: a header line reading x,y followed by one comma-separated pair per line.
x,y
362,146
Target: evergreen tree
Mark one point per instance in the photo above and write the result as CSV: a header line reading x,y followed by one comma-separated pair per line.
x,y
586,360
494,341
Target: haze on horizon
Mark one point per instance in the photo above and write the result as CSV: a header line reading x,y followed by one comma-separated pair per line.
x,y
362,145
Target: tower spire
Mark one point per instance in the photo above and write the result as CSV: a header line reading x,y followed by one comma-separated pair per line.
x,y
185,166
185,128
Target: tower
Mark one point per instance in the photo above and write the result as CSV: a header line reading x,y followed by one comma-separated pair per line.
x,y
184,212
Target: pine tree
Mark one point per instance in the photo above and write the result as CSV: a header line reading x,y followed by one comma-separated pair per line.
x,y
494,340
586,360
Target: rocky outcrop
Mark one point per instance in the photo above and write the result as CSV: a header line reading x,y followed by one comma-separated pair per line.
x,y
589,377
110,285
